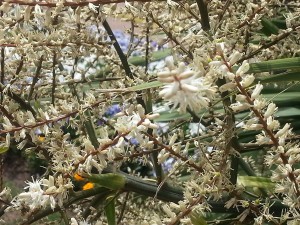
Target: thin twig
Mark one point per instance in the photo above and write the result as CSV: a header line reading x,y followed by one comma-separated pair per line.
x,y
247,21
171,36
187,211
189,10
221,15
23,103
36,77
53,79
2,68
131,40
71,44
268,45
172,152
229,135
147,45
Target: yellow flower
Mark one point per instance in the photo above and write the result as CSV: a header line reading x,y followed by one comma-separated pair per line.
x,y
41,137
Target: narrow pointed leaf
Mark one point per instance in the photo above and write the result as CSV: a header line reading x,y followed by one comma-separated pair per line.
x,y
110,211
3,149
156,56
275,65
269,26
283,77
259,182
197,219
144,86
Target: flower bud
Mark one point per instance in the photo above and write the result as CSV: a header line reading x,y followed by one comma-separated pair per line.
x,y
243,69
270,110
256,91
235,57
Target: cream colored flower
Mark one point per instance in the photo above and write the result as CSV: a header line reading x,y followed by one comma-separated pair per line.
x,y
184,88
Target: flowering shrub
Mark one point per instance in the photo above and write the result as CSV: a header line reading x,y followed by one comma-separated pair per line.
x,y
231,70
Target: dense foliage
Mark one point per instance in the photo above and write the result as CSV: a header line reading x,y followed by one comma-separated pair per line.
x,y
191,117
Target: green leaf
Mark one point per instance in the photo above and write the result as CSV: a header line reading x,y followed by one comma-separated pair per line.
x,y
280,23
3,149
156,56
258,182
288,112
91,130
284,99
171,116
283,77
109,180
275,65
110,211
197,219
144,86
269,26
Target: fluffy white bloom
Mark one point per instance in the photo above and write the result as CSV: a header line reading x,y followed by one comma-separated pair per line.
x,y
184,88
42,193
133,122
35,198
129,123
74,222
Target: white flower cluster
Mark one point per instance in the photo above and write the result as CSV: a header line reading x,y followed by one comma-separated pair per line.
x,y
42,193
130,124
184,87
282,154
47,111
133,122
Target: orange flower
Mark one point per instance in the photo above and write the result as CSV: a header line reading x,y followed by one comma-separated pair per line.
x,y
88,186
77,177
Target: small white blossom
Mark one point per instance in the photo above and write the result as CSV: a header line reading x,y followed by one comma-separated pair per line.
x,y
256,91
283,131
7,124
184,88
34,198
270,110
238,106
247,80
242,69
